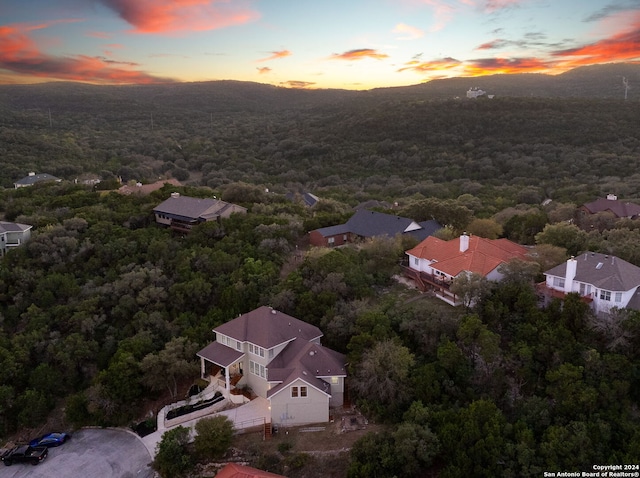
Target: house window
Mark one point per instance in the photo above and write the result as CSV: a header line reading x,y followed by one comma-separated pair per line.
x,y
558,282
254,349
270,353
618,297
416,261
585,289
238,345
334,380
298,392
331,241
605,295
257,369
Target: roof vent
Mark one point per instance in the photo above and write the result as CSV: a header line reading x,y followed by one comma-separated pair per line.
x,y
273,311
175,195
312,352
599,266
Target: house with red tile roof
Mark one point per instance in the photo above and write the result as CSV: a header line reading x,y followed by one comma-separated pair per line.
x,y
434,263
279,358
233,470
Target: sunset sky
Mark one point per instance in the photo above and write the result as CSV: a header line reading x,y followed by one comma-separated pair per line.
x,y
351,44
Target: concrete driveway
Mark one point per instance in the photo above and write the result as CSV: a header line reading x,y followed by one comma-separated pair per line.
x,y
91,453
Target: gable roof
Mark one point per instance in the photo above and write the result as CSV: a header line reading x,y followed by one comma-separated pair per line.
x,y
603,271
482,256
233,470
367,223
31,179
619,208
13,227
305,361
267,327
194,208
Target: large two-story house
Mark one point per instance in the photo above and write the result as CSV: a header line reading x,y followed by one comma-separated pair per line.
x,y
279,358
602,280
434,264
181,213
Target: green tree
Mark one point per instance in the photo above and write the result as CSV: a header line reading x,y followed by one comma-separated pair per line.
x,y
172,457
213,437
568,236
164,369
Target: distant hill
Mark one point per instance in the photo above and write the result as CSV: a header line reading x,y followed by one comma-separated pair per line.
x,y
600,81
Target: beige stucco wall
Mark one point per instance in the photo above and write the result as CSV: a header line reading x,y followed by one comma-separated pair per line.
x,y
289,411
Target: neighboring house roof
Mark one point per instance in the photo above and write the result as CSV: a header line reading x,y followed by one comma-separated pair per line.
x,y
618,208
233,470
13,227
33,178
308,199
366,223
305,361
481,256
602,271
267,327
193,208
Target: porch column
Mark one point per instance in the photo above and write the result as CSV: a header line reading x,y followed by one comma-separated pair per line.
x,y
203,368
226,379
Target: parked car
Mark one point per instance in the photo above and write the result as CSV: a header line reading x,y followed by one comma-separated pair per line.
x,y
50,439
25,454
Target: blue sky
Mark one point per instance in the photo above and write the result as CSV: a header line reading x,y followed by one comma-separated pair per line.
x,y
352,44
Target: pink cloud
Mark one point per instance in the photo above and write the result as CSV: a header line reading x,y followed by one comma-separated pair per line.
x,y
408,32
359,54
19,54
263,70
297,84
180,16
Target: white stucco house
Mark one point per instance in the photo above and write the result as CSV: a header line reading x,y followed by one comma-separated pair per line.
x,y
280,358
604,281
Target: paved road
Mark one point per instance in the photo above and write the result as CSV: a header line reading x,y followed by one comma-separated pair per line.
x,y
91,453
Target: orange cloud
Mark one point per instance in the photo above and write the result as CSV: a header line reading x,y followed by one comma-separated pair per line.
x,y
623,46
430,66
492,66
179,16
263,70
275,55
297,84
19,54
359,54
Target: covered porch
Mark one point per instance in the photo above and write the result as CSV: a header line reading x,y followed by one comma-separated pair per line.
x,y
222,366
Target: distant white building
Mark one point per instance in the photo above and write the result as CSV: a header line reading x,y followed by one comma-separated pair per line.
x,y
475,92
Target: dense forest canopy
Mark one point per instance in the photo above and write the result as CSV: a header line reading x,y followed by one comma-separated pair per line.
x,y
101,303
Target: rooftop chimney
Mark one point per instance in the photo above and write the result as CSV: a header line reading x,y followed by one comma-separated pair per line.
x,y
612,197
175,195
464,242
572,265
31,173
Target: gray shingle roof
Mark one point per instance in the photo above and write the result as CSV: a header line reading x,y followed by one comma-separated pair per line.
x,y
220,354
602,271
366,223
619,208
13,227
193,208
36,178
267,327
